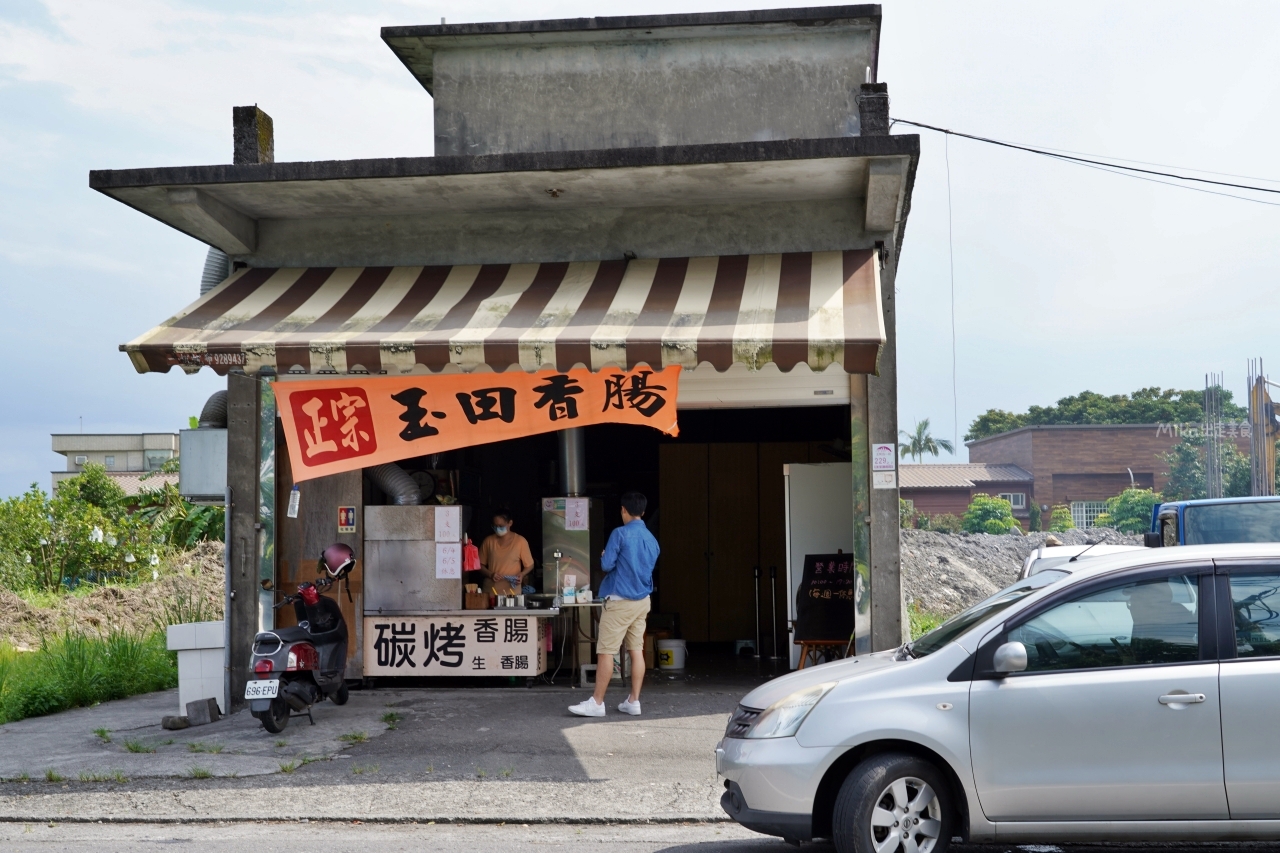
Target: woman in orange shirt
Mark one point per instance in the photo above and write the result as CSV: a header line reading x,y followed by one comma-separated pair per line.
x,y
505,557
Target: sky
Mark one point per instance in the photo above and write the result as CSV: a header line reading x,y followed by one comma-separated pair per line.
x,y
1065,278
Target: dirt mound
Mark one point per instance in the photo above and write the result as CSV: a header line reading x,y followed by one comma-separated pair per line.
x,y
191,587
946,572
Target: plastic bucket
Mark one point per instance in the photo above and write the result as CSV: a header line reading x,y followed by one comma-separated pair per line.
x,y
671,654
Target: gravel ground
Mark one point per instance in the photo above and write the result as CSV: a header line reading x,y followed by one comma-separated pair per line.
x,y
944,573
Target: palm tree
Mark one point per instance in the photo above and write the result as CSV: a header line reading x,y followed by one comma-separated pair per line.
x,y
917,444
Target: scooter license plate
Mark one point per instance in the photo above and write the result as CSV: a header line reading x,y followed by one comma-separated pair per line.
x,y
266,689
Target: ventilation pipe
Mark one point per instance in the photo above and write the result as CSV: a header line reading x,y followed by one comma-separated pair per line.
x,y
573,462
396,483
217,267
214,413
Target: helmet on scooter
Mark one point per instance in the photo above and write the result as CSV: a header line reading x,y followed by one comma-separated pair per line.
x,y
337,560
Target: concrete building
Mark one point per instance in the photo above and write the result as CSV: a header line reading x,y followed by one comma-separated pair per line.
x,y
695,176
125,456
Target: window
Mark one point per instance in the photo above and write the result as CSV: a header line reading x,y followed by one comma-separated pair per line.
x,y
1083,513
1244,521
958,624
153,460
1256,602
109,461
1141,622
1017,500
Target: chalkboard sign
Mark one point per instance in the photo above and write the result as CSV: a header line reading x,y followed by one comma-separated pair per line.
x,y
826,600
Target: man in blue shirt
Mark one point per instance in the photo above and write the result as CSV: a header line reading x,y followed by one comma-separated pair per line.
x,y
628,561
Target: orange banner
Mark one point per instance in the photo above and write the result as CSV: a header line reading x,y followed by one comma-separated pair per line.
x,y
336,425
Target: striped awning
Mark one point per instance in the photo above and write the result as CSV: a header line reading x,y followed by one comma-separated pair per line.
x,y
818,308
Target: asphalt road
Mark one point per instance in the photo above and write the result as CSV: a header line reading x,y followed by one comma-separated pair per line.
x,y
350,838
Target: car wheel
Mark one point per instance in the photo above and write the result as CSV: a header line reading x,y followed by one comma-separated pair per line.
x,y
893,803
276,718
341,695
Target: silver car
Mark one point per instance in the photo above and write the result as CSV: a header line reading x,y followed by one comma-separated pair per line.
x,y
1129,697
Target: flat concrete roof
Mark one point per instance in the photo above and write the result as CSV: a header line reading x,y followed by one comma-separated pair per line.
x,y
415,46
721,173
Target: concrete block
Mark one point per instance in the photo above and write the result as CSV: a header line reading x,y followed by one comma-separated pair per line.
x,y
174,723
210,635
211,663
399,523
202,712
181,637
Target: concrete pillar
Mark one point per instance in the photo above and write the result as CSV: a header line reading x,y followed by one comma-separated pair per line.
x,y
253,135
882,415
873,109
243,401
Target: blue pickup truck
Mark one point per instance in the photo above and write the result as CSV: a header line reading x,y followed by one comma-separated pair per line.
x,y
1214,521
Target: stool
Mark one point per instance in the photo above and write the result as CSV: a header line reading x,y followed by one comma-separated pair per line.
x,y
739,645
821,651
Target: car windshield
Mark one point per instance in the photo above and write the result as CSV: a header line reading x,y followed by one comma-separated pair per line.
x,y
1215,524
961,622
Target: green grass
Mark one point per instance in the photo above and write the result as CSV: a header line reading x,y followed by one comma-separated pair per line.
x,y
197,746
310,759
103,734
23,777
113,776
280,744
76,671
200,773
52,775
354,737
480,774
363,769
289,767
507,771
922,622
138,746
391,718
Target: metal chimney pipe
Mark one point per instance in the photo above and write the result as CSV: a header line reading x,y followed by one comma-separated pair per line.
x,y
573,462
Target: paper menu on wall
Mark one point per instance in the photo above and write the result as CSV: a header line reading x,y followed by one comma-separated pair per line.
x,y
448,560
577,513
448,523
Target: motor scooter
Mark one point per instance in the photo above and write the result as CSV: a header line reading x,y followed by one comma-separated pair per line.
x,y
294,668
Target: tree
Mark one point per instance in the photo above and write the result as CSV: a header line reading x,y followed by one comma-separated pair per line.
x,y
1187,477
1144,406
919,442
1130,511
1060,519
989,515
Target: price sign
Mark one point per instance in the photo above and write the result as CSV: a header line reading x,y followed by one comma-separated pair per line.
x,y
576,514
448,522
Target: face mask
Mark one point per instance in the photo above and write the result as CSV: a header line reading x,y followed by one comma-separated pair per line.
x,y
501,531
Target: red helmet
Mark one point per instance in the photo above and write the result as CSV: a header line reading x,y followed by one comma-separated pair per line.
x,y
338,559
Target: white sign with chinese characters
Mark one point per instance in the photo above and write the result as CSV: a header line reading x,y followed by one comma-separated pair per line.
x,y
489,643
884,479
448,523
884,457
448,560
577,513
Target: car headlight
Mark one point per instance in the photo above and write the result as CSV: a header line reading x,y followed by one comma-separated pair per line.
x,y
783,718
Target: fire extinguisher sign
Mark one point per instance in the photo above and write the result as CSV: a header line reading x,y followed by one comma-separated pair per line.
x,y
346,519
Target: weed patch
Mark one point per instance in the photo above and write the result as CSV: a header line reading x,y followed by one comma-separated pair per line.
x,y
52,775
289,767
104,735
391,718
196,746
354,737
366,769
200,773
138,746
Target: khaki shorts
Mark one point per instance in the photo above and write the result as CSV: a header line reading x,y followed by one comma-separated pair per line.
x,y
622,618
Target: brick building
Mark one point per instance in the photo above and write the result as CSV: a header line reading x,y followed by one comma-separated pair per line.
x,y
943,488
1080,465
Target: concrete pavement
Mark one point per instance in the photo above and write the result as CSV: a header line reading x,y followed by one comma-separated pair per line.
x,y
446,754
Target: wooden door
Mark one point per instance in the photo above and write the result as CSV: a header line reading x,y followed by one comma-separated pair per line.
x,y
733,540
682,568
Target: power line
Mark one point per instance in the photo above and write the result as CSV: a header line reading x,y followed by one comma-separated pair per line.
x,y
1092,162
951,262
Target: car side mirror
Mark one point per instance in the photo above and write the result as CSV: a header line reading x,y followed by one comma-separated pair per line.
x,y
1152,540
1010,657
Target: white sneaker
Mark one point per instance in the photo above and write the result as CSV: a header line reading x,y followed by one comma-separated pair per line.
x,y
588,707
626,706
